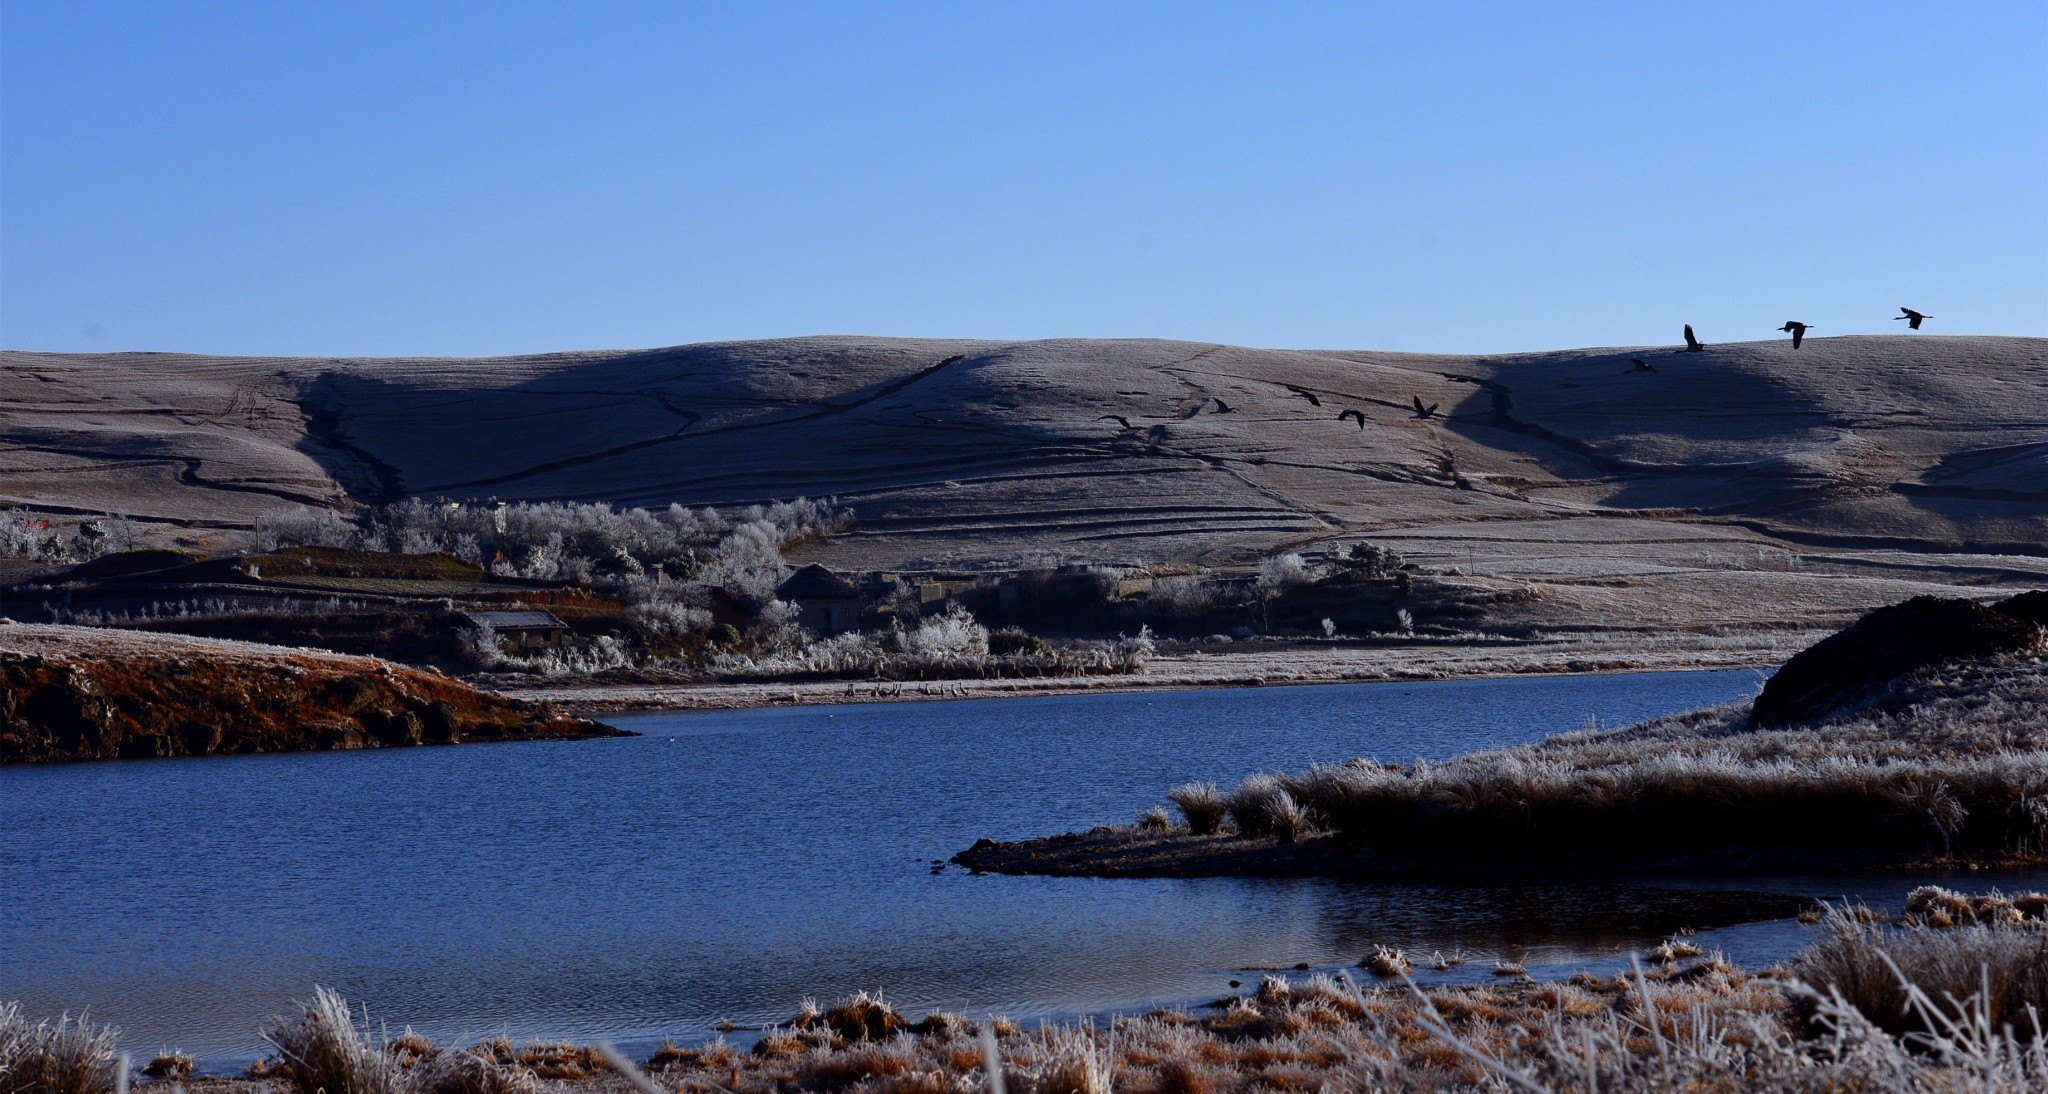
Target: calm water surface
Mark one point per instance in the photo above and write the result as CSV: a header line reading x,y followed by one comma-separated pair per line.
x,y
727,864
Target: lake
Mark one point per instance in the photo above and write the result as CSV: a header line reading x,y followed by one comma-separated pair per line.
x,y
727,864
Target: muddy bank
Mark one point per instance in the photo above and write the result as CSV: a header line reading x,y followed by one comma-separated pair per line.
x,y
81,693
1124,851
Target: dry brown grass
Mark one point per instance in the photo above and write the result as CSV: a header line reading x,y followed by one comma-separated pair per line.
x,y
88,693
170,1065
1201,804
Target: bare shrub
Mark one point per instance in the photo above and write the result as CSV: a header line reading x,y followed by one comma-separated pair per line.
x,y
1282,572
1190,596
950,634
304,527
24,534
570,540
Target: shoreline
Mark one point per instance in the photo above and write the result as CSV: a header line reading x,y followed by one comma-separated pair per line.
x,y
1283,665
1110,851
1679,1015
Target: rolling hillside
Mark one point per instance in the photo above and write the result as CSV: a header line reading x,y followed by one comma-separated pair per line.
x,y
959,451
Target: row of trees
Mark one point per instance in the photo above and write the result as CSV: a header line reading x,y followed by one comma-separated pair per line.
x,y
739,551
25,535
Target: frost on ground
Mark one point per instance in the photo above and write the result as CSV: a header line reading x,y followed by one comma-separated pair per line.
x,y
1929,1003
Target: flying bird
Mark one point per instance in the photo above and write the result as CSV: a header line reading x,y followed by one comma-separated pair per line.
x,y
1642,365
1118,419
1425,413
1347,412
1692,342
1911,317
1221,406
1798,330
1307,394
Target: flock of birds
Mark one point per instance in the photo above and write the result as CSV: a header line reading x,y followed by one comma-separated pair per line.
x,y
1422,413
1425,413
1798,330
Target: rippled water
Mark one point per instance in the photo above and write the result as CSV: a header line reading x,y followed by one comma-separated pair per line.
x,y
727,864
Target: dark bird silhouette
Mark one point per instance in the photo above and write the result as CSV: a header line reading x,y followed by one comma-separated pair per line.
x,y
1692,342
1911,317
1642,365
1425,413
1798,330
1221,406
1307,394
1118,419
1347,412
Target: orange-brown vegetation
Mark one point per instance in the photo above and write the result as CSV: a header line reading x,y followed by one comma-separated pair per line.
x,y
78,693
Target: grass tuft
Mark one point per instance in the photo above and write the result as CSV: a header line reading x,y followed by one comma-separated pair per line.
x,y
857,1017
67,1056
1202,805
1915,979
1262,806
170,1065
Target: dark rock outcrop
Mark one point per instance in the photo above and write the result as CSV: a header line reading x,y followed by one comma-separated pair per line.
x,y
2032,607
1841,672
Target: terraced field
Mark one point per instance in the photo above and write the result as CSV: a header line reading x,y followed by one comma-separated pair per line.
x,y
1816,475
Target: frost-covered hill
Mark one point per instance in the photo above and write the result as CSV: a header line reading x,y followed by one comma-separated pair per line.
x,y
960,450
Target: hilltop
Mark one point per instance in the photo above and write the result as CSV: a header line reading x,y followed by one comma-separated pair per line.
x,y
1748,485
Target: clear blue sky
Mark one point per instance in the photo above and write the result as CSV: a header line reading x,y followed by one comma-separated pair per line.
x,y
387,179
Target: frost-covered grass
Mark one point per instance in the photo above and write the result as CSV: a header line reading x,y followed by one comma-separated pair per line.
x,y
65,1056
1909,1007
1958,766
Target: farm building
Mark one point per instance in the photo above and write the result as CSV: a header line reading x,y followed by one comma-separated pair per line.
x,y
826,603
523,630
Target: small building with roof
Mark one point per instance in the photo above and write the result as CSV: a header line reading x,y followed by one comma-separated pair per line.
x,y
826,603
521,630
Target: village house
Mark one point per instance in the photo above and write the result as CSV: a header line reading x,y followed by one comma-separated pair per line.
x,y
826,603
521,631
